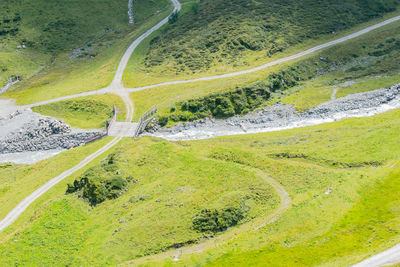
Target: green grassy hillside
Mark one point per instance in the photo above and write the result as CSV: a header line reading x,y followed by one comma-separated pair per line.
x,y
85,112
219,36
172,182
71,46
154,213
208,202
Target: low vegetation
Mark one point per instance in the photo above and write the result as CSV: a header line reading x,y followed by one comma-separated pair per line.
x,y
221,105
149,197
101,182
85,112
67,47
152,213
213,221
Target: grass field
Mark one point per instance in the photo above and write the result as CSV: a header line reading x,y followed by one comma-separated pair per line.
x,y
153,214
98,32
85,112
17,181
352,157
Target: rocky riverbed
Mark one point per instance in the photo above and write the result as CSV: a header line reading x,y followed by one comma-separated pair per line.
x,y
281,117
23,131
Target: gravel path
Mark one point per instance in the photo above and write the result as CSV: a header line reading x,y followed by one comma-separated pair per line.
x,y
130,11
8,85
334,92
386,258
282,117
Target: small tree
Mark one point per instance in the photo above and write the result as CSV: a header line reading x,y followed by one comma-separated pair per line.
x,y
195,8
173,18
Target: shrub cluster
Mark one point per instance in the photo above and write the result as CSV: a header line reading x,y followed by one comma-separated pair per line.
x,y
243,100
100,183
10,26
386,47
221,105
213,221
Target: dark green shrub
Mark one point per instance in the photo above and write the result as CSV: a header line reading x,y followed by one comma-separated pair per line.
x,y
101,182
195,8
173,18
163,120
221,105
223,108
216,221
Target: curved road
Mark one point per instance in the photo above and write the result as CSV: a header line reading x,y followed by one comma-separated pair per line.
x,y
115,87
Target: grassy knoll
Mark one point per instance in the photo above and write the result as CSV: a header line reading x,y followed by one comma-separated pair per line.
x,y
85,112
218,37
368,62
175,180
74,48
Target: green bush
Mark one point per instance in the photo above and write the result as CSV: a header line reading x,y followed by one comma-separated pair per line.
x,y
213,221
173,18
101,182
221,105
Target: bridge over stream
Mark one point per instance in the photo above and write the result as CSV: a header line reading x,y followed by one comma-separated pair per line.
x,y
130,129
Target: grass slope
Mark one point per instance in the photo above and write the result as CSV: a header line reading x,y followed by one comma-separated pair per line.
x,y
85,112
175,180
223,36
155,212
71,47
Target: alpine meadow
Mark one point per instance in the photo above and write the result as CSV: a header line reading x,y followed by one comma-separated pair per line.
x,y
199,133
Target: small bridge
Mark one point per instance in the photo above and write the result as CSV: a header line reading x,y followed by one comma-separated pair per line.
x,y
130,129
123,129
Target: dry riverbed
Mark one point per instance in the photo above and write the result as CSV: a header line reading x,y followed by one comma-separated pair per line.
x,y
27,137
